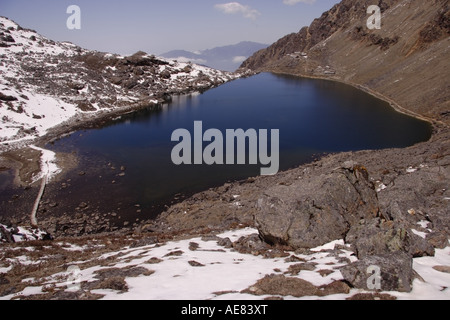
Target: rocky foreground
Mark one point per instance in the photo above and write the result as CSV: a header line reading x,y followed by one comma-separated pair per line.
x,y
390,206
231,265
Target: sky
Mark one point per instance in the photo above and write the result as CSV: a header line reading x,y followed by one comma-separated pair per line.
x,y
125,27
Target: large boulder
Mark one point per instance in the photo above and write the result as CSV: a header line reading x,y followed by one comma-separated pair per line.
x,y
280,285
379,237
314,211
391,272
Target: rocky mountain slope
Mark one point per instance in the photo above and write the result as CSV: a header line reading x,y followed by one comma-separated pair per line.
x,y
374,200
405,61
44,83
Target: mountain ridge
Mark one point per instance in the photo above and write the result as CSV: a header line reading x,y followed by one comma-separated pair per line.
x,y
409,51
226,58
77,85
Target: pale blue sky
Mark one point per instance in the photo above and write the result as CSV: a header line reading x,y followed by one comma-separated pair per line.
x,y
158,26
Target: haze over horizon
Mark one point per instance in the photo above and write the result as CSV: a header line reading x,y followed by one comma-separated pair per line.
x,y
160,26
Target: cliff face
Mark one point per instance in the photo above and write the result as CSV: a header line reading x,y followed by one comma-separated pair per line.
x,y
405,61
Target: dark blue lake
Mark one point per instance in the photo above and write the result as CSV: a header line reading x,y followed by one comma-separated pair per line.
x,y
313,116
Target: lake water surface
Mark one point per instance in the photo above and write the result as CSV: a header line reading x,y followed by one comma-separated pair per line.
x,y
313,116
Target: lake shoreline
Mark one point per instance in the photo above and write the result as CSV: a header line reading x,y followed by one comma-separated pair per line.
x,y
24,161
70,166
396,106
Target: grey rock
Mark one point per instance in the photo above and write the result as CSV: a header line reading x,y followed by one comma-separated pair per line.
x,y
310,213
144,242
295,269
251,244
113,283
193,246
444,269
7,98
3,280
225,242
116,80
210,237
395,272
176,253
7,38
372,297
5,235
83,205
377,237
165,74
129,272
281,285
438,240
196,264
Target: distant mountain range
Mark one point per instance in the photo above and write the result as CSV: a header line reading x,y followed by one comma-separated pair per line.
x,y
226,58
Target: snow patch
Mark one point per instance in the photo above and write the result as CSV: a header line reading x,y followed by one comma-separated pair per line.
x,y
419,233
49,168
212,272
21,234
436,285
380,187
424,224
411,170
329,246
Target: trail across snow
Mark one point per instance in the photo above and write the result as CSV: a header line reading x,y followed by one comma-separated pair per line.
x,y
49,168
